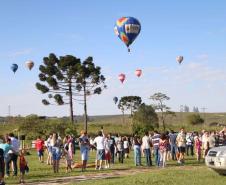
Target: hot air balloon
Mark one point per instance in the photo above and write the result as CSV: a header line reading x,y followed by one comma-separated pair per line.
x,y
179,59
122,77
127,29
115,99
29,64
138,72
14,67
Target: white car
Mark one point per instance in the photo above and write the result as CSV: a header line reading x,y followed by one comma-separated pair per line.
x,y
216,159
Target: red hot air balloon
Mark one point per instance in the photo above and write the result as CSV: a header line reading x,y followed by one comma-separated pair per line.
x,y
138,72
122,77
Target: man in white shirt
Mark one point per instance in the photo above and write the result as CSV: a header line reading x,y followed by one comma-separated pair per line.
x,y
146,146
100,156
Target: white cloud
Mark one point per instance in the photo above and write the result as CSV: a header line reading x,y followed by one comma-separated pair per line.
x,y
21,52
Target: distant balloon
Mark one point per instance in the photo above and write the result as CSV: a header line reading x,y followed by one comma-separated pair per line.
x,y
14,67
179,59
122,77
127,29
115,99
29,64
138,72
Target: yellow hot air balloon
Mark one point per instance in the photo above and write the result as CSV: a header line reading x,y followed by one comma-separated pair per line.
x,y
30,64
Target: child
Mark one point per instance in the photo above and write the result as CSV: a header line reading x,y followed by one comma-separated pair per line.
x,y
68,160
23,166
198,148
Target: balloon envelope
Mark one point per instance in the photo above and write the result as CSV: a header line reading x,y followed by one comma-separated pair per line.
x,y
29,64
14,67
122,77
127,29
115,99
138,72
179,59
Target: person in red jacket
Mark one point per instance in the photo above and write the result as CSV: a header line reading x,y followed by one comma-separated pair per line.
x,y
39,145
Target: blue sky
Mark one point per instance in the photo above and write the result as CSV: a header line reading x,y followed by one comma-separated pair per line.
x,y
195,29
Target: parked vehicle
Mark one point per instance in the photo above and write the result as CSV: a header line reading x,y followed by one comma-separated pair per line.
x,y
216,159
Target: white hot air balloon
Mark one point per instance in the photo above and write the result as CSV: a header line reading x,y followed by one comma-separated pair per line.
x,y
179,59
30,64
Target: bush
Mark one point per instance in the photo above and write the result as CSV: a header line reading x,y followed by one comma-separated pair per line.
x,y
194,119
34,127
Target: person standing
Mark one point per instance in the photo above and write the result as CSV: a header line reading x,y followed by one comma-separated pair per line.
x,y
112,147
100,155
212,140
163,144
49,150
181,143
13,154
23,165
2,166
155,143
107,152
173,145
137,150
56,144
39,145
120,149
126,147
84,148
198,148
189,143
146,146
205,143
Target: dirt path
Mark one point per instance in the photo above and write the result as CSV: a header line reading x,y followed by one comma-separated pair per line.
x,y
101,175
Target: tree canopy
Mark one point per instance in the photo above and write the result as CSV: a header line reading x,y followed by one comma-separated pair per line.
x,y
145,119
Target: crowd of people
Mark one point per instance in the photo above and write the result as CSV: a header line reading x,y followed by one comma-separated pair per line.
x,y
157,148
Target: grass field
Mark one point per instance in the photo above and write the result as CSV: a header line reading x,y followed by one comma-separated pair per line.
x,y
191,173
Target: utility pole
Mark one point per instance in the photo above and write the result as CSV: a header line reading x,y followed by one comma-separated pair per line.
x,y
204,115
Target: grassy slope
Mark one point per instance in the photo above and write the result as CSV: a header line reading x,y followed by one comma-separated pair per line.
x,y
114,123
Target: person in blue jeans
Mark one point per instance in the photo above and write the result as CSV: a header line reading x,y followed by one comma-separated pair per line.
x,y
146,146
137,151
172,141
155,143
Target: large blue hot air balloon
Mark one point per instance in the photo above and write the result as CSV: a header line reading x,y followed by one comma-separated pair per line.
x,y
127,29
115,99
14,67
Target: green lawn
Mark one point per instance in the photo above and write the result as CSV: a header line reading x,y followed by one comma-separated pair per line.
x,y
168,176
191,173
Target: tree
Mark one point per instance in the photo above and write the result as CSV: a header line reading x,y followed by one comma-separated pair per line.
x,y
131,103
196,109
145,119
89,81
160,106
195,119
58,77
186,108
